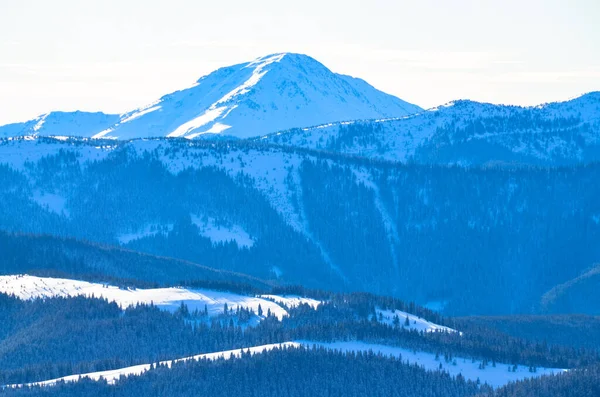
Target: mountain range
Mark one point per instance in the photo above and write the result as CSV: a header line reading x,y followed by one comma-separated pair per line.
x,y
307,233
293,100
326,155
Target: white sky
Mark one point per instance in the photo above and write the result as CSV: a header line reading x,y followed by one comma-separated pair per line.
x,y
114,55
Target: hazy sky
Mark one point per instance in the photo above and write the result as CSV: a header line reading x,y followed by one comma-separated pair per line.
x,y
117,55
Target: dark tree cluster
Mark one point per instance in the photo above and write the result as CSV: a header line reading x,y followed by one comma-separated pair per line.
x,y
583,382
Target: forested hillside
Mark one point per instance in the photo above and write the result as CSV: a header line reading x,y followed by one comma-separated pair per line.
x,y
295,372
490,240
43,339
580,383
55,256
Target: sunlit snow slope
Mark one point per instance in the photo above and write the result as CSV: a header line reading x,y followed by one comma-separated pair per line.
x,y
31,287
414,322
111,376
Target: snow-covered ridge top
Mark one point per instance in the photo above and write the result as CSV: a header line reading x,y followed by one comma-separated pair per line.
x,y
60,123
30,287
336,124
581,105
592,96
549,134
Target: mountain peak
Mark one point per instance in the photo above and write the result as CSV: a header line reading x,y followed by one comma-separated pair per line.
x,y
271,93
287,56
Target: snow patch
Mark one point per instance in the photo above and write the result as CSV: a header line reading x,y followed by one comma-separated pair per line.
x,y
292,300
146,231
217,128
103,133
139,113
209,115
219,233
416,323
51,202
61,137
40,123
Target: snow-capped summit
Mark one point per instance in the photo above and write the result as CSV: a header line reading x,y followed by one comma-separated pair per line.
x,y
271,93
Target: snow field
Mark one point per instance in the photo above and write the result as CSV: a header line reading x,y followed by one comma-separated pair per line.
x,y
170,299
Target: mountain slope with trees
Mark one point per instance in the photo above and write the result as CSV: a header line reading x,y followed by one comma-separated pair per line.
x,y
316,219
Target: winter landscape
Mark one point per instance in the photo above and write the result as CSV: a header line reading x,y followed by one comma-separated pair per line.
x,y
283,225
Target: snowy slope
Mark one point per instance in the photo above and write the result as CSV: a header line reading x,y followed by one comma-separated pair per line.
x,y
495,376
466,132
82,124
271,171
415,322
31,287
111,376
271,93
222,233
274,172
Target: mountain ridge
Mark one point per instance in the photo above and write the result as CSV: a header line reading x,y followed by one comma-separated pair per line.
x,y
467,132
60,123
